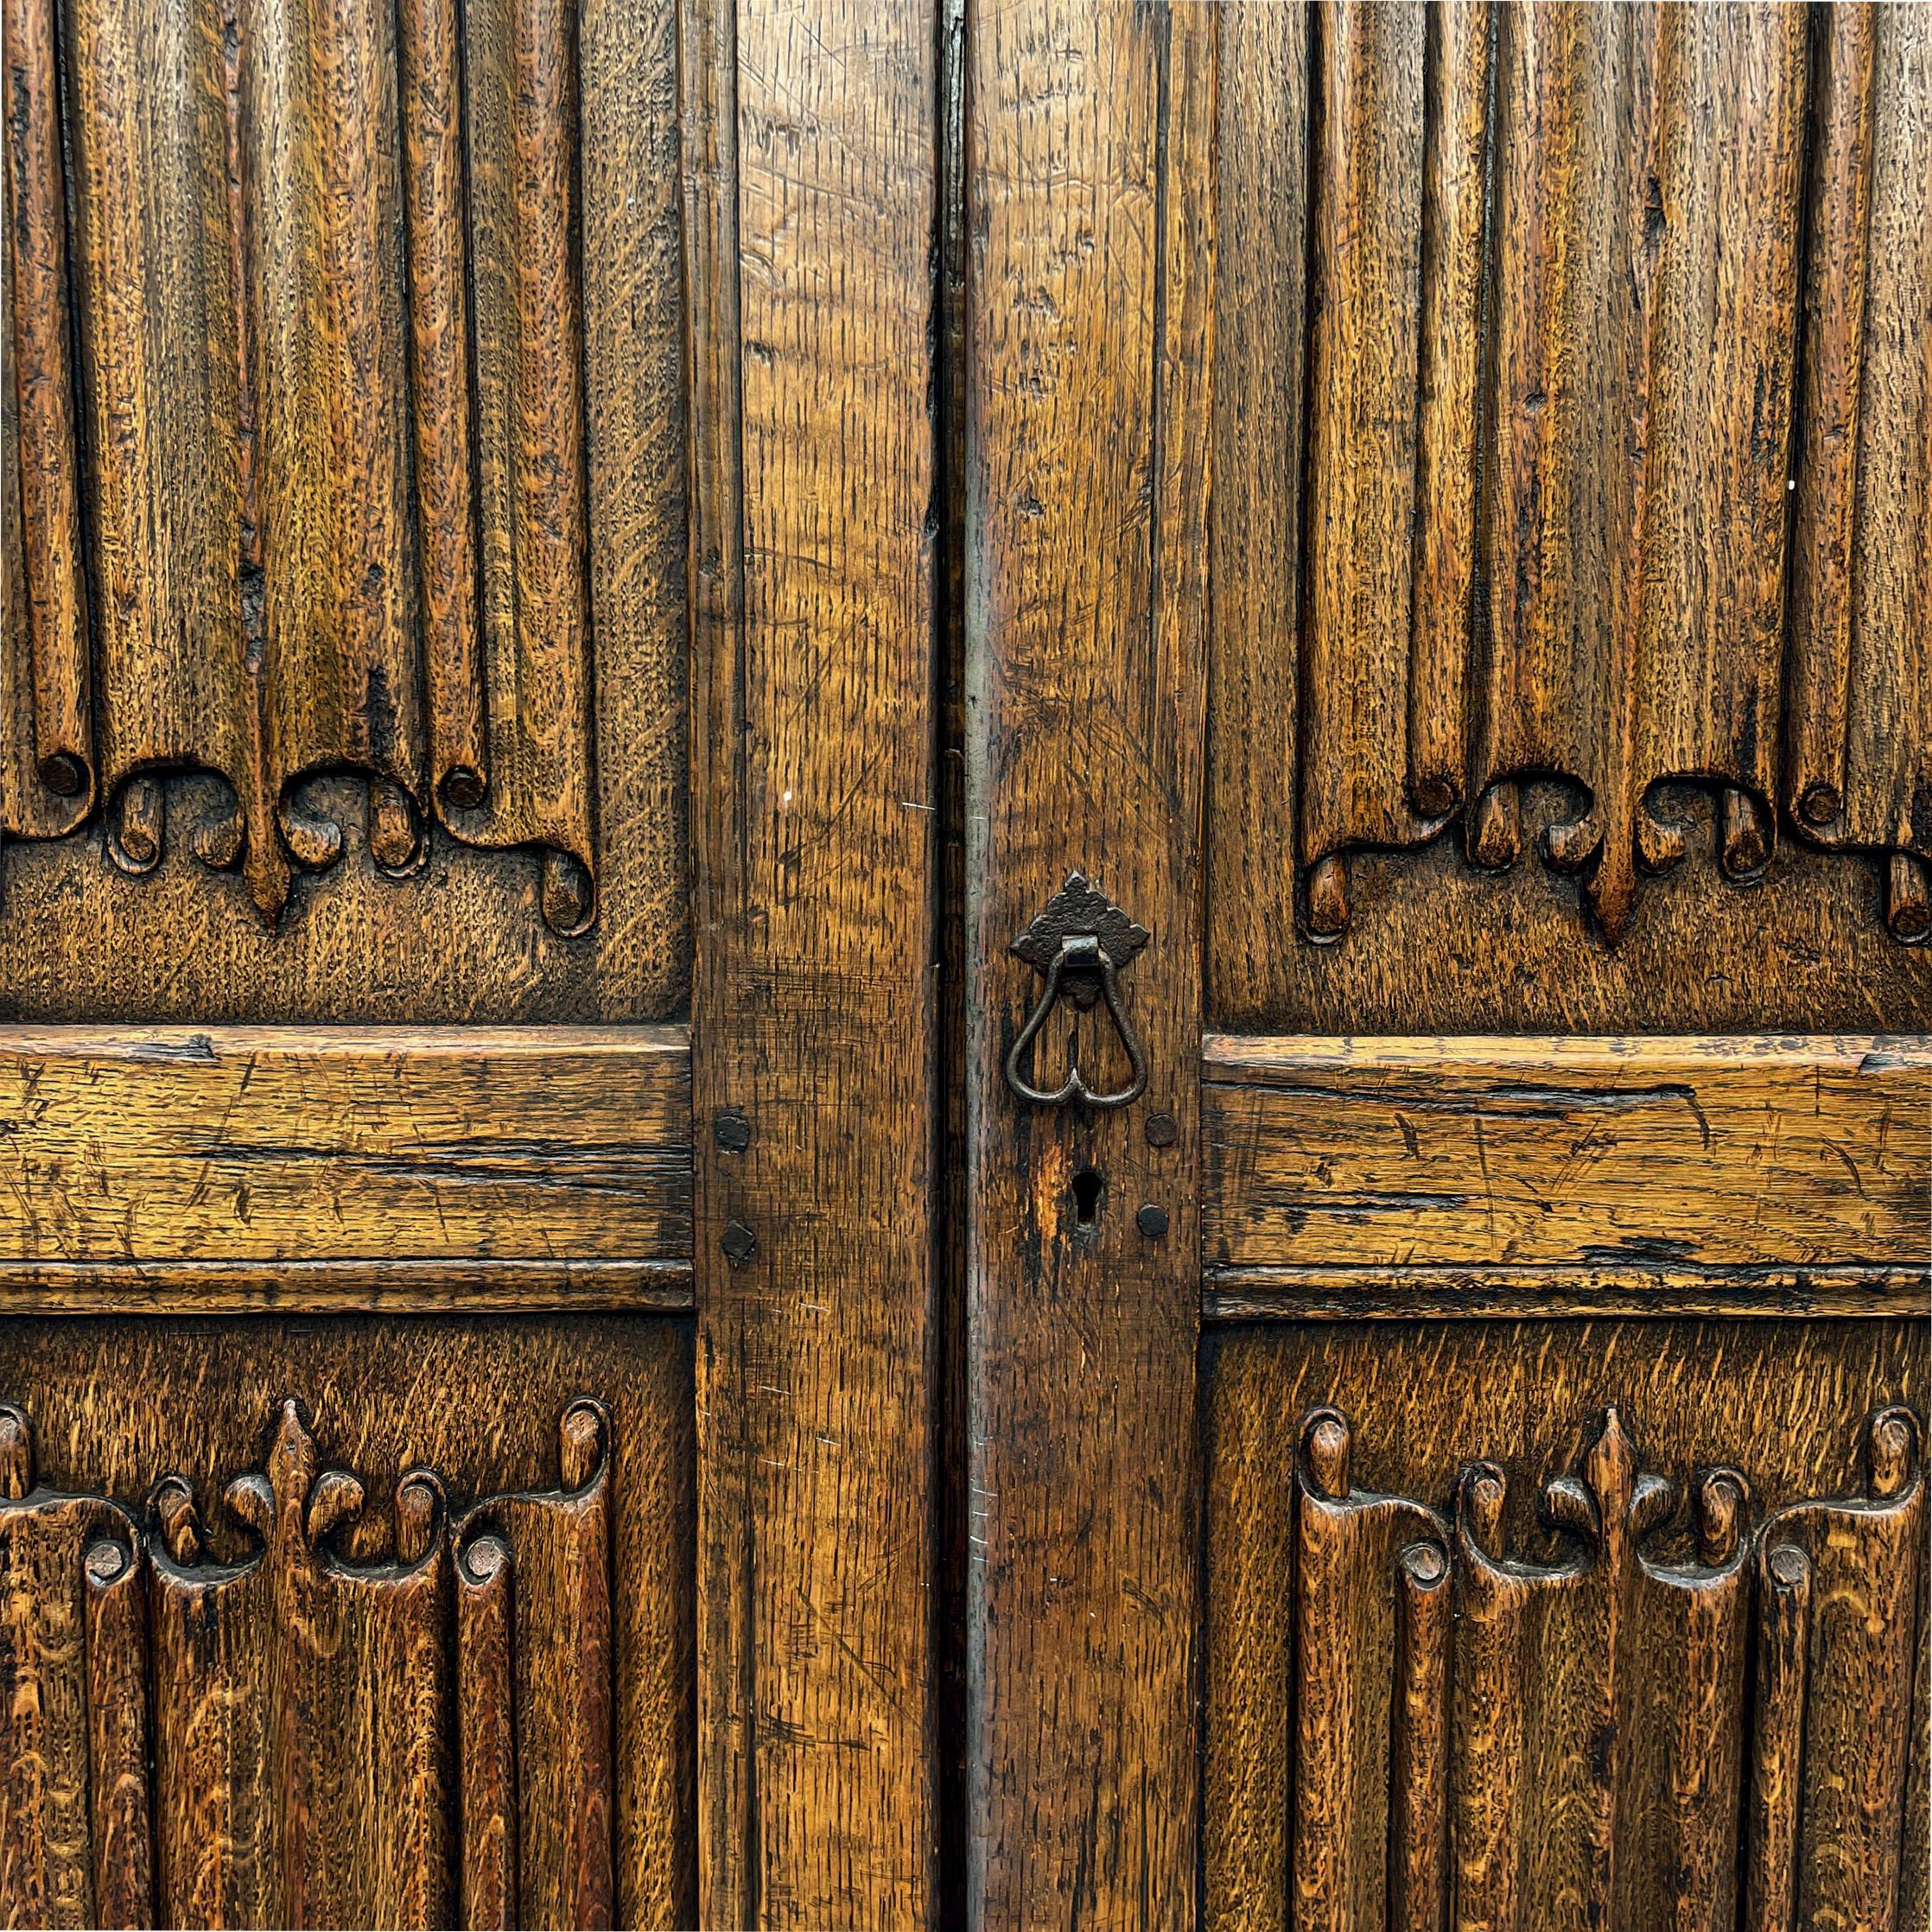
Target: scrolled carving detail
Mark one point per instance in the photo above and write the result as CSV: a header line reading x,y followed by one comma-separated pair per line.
x,y
332,469
331,1741
1594,374
1505,1724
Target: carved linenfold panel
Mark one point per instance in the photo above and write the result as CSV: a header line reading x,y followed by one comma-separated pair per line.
x,y
1400,99
1604,1692
1371,1570
46,777
299,1769
1645,1703
334,1742
1860,673
538,1569
74,1844
1576,320
328,311
1840,1600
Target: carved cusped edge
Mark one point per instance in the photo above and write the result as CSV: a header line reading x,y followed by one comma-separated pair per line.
x,y
1471,1727
291,1737
1555,534
371,565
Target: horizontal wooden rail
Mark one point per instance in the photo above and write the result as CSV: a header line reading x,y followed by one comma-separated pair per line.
x,y
1483,1176
334,1167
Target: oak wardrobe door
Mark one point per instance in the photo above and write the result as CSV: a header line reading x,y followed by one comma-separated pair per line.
x,y
466,927
1447,757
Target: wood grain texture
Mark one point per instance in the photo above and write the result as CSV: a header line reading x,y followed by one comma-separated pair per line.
x,y
1862,1560
1349,1605
1090,180
120,1819
1398,132
1707,1165
390,554
559,1545
1596,1707
46,724
810,198
48,1873
485,1695
324,1685
520,94
1860,770
308,1726
1642,358
1260,326
136,1147
1552,380
380,1286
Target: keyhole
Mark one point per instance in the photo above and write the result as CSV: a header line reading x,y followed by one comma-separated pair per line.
x,y
1086,1197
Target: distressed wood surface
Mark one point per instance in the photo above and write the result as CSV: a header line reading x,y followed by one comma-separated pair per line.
x,y
1744,1164
1261,308
399,1287
810,153
1090,198
382,697
166,1145
1860,671
309,1679
1579,280
1601,1496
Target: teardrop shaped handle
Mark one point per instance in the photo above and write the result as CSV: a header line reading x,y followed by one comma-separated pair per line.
x,y
1083,953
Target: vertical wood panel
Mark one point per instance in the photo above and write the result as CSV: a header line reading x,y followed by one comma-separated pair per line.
x,y
1260,313
1623,1743
373,522
1859,677
811,195
320,247
1089,187
157,280
634,403
45,703
522,96
1398,110
335,1740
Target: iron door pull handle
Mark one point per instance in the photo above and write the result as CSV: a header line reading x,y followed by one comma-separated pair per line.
x,y
1083,953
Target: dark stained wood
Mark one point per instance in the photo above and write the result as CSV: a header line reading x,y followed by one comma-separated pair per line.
x,y
559,1546
1859,676
809,148
1419,1751
1398,127
571,574
485,1695
1620,332
423,1287
1865,1556
1712,1163
520,94
1777,1739
137,1147
1435,945
120,1824
46,727
322,1766
1092,353
1260,318
1298,1293
1602,1685
1351,1850
54,1648
430,58
389,552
